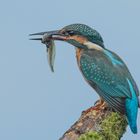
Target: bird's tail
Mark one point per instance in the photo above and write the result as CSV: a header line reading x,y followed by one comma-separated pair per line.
x,y
131,113
131,105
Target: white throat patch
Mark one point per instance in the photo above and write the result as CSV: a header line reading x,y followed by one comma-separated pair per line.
x,y
91,45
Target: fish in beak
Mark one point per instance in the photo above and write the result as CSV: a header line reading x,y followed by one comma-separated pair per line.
x,y
48,39
50,35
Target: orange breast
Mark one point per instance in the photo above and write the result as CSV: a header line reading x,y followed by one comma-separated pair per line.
x,y
78,54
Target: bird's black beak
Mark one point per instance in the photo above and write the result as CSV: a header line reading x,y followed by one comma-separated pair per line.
x,y
50,35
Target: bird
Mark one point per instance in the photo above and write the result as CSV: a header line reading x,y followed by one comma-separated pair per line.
x,y
102,69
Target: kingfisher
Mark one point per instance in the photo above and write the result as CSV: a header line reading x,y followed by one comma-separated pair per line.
x,y
103,69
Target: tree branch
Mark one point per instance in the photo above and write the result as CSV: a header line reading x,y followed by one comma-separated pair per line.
x,y
97,123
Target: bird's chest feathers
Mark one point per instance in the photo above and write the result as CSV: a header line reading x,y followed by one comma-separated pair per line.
x,y
78,54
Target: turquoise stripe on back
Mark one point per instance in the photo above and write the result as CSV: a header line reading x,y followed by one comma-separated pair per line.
x,y
114,60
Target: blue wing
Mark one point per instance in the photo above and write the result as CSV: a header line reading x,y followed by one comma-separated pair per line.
x,y
108,75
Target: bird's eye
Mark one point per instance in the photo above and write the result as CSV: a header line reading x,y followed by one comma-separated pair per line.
x,y
70,32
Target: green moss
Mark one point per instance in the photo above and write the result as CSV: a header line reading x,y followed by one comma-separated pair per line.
x,y
111,128
93,135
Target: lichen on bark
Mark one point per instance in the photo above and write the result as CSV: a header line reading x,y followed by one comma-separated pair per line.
x,y
99,123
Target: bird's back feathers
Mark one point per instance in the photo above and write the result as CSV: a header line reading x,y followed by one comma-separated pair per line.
x,y
111,79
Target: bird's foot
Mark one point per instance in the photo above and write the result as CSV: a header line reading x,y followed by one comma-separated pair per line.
x,y
100,104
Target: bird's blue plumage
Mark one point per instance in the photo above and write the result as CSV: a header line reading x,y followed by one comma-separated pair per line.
x,y
110,77
132,108
114,60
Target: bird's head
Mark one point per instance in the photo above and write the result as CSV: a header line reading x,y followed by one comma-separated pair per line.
x,y
79,35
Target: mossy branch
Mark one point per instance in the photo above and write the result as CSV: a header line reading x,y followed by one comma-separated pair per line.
x,y
97,123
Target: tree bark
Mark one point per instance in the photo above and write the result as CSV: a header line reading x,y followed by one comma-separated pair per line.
x,y
99,122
